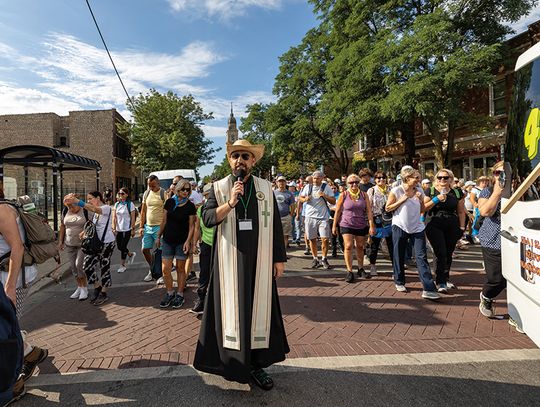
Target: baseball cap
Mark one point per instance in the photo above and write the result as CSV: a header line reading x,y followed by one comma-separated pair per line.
x,y
470,183
281,178
291,184
426,181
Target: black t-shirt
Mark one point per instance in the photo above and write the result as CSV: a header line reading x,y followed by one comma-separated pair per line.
x,y
449,206
177,226
365,187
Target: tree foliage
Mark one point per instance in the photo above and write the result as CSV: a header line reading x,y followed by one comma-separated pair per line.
x,y
166,133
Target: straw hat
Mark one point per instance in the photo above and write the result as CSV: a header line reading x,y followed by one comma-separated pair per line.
x,y
243,145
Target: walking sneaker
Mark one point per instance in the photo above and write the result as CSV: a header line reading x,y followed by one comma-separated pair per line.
x,y
103,297
192,277
121,269
486,306
167,300
362,273
34,358
350,277
431,295
198,308
76,293
148,277
84,294
178,301
307,252
443,288
95,295
18,391
373,270
513,322
325,264
160,281
132,257
450,285
401,288
316,264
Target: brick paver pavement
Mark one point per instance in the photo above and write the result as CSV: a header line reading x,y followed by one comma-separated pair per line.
x,y
324,316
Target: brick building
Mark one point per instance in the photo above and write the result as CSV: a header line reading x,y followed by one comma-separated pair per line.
x,y
475,151
90,133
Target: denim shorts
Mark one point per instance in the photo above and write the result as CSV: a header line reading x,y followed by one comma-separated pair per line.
x,y
170,251
150,236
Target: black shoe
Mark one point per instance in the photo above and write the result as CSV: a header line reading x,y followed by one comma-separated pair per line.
x,y
103,297
334,253
167,300
316,264
34,358
198,308
192,277
307,252
261,379
325,264
178,301
350,277
95,295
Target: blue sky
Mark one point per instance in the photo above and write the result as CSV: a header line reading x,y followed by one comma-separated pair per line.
x,y
221,51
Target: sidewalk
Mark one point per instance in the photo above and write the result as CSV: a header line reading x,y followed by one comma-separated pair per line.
x,y
324,316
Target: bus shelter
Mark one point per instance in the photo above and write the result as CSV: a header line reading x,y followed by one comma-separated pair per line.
x,y
47,159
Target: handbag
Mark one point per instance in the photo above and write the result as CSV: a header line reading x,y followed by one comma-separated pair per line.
x,y
155,268
91,244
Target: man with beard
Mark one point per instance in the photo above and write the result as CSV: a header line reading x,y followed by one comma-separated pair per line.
x,y
242,328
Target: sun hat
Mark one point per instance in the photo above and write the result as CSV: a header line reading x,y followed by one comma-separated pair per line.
x,y
243,145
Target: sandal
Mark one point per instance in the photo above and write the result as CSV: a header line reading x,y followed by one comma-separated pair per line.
x,y
262,379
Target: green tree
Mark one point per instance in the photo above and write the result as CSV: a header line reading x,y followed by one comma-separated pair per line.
x,y
166,133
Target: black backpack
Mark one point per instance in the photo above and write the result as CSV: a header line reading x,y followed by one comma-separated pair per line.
x,y
91,243
11,347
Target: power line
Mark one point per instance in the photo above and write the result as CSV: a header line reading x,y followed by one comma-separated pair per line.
x,y
110,57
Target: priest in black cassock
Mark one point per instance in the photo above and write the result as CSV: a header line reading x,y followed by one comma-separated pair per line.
x,y
242,328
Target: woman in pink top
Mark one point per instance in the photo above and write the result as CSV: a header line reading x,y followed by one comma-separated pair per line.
x,y
355,220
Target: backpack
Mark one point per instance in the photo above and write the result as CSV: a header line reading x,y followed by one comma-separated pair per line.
x,y
457,192
40,239
323,187
11,347
91,244
161,195
128,203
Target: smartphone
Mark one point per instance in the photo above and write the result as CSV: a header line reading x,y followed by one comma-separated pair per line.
x,y
502,179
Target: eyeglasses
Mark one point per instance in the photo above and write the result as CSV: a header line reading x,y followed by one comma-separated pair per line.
x,y
442,177
245,156
380,177
185,189
354,182
498,172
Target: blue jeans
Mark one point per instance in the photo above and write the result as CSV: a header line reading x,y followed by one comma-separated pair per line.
x,y
297,232
400,237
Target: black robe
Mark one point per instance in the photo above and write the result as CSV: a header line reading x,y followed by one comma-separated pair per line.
x,y
211,356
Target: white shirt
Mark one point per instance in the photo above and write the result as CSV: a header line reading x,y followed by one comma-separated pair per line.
x,y
407,216
123,216
196,198
316,207
101,221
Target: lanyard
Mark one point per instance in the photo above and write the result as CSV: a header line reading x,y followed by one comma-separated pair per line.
x,y
245,204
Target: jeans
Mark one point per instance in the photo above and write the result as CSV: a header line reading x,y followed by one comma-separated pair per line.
x,y
376,244
298,226
400,237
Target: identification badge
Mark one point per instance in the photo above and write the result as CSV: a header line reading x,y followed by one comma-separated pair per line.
x,y
245,224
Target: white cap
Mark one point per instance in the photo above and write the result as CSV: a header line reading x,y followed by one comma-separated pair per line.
x,y
470,183
426,181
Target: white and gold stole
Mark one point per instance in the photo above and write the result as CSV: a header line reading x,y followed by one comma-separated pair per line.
x,y
228,266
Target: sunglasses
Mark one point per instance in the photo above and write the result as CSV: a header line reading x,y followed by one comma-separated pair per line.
x,y
185,189
245,156
445,178
121,193
380,177
498,172
354,182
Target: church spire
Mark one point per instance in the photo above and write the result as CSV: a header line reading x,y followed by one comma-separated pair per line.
x,y
232,130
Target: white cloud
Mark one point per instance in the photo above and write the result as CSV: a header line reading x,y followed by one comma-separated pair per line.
x,y
17,100
224,9
521,25
221,108
214,131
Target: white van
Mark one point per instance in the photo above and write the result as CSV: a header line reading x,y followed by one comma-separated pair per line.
x,y
166,176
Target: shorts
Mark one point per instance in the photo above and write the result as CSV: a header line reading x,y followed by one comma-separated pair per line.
x,y
354,232
169,251
286,224
150,236
317,225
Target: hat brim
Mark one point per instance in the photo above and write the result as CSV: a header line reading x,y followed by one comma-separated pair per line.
x,y
257,150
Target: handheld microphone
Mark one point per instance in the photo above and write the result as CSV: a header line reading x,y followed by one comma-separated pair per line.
x,y
240,175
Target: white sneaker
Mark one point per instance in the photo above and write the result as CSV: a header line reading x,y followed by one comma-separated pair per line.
x,y
148,277
121,269
84,294
160,281
132,258
401,288
76,294
450,285
373,270
431,295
